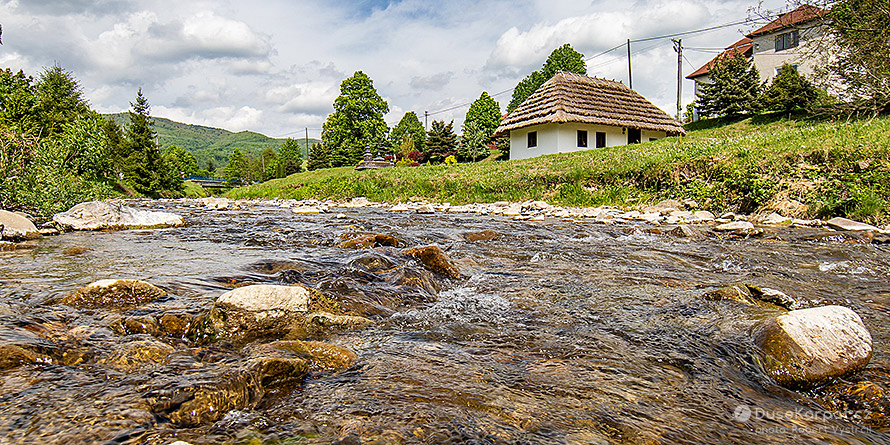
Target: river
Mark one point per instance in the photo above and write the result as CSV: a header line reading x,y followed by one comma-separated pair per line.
x,y
558,332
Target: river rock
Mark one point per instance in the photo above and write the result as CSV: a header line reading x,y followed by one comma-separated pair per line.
x,y
807,347
775,219
324,356
138,354
665,207
323,322
773,296
212,202
16,227
482,235
738,228
426,209
266,300
192,400
114,294
434,259
101,215
364,240
838,223
251,311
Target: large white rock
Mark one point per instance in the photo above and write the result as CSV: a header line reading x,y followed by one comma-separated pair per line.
x,y
16,227
848,224
267,298
807,347
97,215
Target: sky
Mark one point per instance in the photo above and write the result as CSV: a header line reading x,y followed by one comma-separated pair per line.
x,y
275,66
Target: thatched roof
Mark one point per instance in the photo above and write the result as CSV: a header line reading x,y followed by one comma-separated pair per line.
x,y
569,97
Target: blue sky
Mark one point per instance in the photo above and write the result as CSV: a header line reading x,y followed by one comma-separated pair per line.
x,y
274,66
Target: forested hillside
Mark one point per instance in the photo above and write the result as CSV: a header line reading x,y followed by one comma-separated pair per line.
x,y
207,143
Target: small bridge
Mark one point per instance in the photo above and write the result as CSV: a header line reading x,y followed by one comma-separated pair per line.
x,y
212,183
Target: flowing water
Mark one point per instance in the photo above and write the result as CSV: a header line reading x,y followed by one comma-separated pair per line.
x,y
558,332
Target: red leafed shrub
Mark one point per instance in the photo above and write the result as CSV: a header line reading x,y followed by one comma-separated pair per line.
x,y
415,164
415,155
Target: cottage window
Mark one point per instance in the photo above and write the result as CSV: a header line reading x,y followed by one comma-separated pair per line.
x,y
600,139
582,138
634,135
793,66
532,139
787,40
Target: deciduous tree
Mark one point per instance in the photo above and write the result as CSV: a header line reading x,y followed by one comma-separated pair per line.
x,y
564,58
409,125
357,122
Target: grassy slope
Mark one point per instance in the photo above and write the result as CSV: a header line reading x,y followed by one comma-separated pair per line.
x,y
838,168
207,142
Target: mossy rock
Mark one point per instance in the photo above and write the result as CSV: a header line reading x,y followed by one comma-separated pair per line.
x,y
138,354
434,259
117,295
324,356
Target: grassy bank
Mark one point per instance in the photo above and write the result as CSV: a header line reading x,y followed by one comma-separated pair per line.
x,y
836,168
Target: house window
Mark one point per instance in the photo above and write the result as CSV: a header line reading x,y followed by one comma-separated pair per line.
x,y
634,135
787,40
600,139
532,139
582,138
653,139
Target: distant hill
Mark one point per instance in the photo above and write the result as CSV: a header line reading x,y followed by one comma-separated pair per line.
x,y
207,143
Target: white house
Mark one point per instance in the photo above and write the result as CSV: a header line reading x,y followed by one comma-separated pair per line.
x,y
787,39
571,112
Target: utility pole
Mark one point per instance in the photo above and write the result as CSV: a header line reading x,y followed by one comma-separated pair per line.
x,y
307,142
678,47
426,120
630,76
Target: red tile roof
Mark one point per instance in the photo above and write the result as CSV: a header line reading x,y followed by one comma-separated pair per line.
x,y
802,14
743,46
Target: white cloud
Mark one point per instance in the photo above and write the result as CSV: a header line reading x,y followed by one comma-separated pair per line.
x,y
230,118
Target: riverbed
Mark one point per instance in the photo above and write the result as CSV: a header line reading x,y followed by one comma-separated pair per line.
x,y
557,331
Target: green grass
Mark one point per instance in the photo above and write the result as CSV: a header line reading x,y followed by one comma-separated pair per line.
x,y
837,168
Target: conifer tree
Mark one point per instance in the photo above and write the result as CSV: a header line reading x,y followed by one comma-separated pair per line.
x,y
290,159
734,90
440,141
318,157
789,91
144,167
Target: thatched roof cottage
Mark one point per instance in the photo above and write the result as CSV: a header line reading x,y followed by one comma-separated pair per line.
x,y
571,112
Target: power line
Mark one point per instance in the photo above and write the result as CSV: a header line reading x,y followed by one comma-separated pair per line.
x,y
603,53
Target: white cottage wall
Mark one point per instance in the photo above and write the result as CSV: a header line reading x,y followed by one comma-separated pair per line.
x,y
563,138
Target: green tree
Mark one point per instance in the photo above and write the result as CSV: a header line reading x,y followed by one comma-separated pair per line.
x,y
564,58
409,125
734,90
290,159
318,157
180,161
440,141
83,147
357,122
143,167
18,103
481,121
268,161
473,142
238,168
789,91
211,167
859,41
59,99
